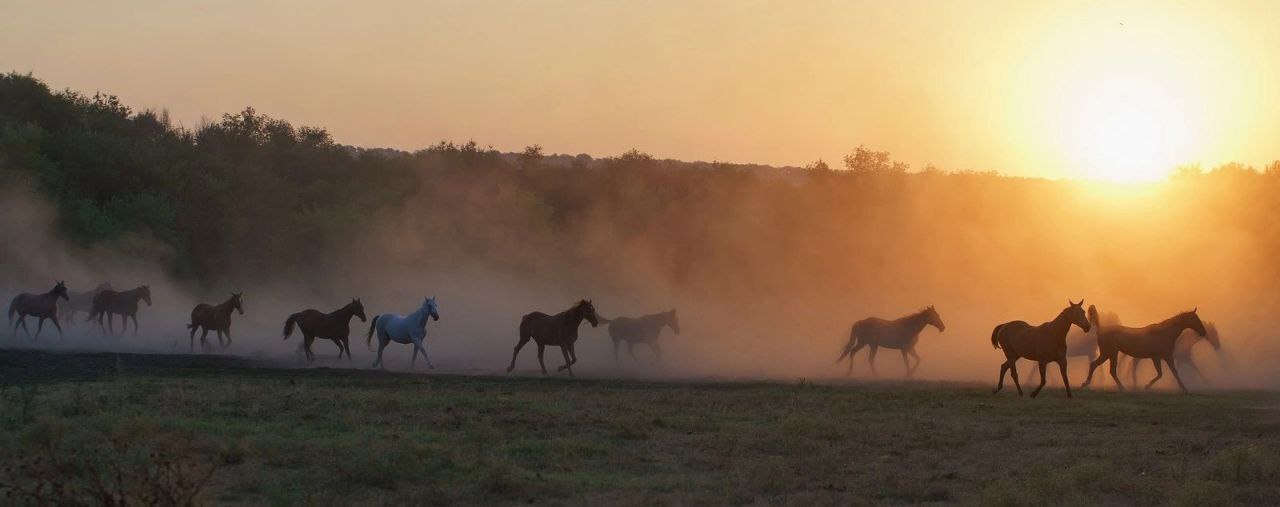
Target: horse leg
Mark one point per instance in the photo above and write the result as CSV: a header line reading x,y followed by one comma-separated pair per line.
x,y
23,320
59,327
111,324
1013,372
339,344
616,362
631,350
570,357
1042,365
1004,368
1174,370
346,344
567,364
1133,371
1114,361
204,339
228,333
422,345
39,327
520,344
853,352
192,338
306,347
912,351
872,359
657,352
1093,365
1159,371
1062,367
382,344
542,348
135,324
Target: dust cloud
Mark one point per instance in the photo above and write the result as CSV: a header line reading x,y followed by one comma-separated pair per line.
x,y
767,273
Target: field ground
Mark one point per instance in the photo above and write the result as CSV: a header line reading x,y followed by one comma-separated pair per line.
x,y
89,427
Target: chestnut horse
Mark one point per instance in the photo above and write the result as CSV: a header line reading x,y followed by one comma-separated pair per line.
x,y
217,318
1155,342
335,325
1182,352
1082,344
109,302
901,334
640,330
560,330
42,306
1044,344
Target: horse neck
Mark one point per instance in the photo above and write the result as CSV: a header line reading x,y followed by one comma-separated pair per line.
x,y
134,294
345,313
1060,325
916,322
225,307
1174,327
419,316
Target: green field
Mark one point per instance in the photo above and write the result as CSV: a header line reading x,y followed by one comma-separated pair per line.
x,y
86,428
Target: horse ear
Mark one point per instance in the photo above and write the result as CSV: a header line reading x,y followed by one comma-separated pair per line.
x,y
1193,310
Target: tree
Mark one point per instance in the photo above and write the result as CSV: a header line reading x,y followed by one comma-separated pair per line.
x,y
864,160
531,157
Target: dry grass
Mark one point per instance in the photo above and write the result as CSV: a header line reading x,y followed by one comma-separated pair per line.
x,y
212,430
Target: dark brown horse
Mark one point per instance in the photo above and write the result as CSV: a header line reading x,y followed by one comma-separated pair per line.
x,y
640,330
1155,342
214,317
80,302
1182,352
1085,344
559,330
109,302
335,325
42,306
901,334
1044,344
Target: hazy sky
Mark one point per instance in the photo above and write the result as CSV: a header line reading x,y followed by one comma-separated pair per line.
x,y
1106,89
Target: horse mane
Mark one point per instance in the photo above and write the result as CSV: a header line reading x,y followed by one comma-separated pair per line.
x,y
1171,320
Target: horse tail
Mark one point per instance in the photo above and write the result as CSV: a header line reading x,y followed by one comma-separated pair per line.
x,y
853,340
995,335
13,308
288,324
368,340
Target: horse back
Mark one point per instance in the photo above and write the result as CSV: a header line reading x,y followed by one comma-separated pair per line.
x,y
630,329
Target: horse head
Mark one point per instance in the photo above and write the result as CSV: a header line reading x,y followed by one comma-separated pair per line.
x,y
60,291
1212,335
433,310
1074,313
1191,320
357,309
935,320
235,302
146,293
588,311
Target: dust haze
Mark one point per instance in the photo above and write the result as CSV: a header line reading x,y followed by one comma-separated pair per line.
x,y
767,273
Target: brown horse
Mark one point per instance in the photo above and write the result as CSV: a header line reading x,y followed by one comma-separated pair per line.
x,y
335,325
1155,342
109,302
1182,352
559,330
901,334
1085,344
1044,344
640,330
217,318
80,302
42,306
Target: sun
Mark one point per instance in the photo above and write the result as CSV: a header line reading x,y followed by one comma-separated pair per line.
x,y
1123,128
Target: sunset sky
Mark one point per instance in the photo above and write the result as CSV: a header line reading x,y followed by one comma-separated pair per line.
x,y
1115,90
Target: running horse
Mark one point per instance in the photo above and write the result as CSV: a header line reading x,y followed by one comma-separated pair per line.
x,y
1182,352
216,318
335,325
901,334
407,329
42,306
1155,342
80,302
641,330
1044,344
1085,344
109,302
560,330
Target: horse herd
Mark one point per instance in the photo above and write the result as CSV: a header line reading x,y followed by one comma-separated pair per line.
x,y
1044,343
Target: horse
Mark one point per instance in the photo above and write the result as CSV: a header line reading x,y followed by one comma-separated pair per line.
x,y
640,330
42,306
335,325
1182,352
559,330
1081,344
411,328
80,302
1044,344
109,302
901,334
214,317
1155,342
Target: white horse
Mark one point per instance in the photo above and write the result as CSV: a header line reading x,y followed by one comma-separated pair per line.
x,y
411,328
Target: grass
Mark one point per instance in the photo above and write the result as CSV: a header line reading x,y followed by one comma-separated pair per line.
x,y
221,430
